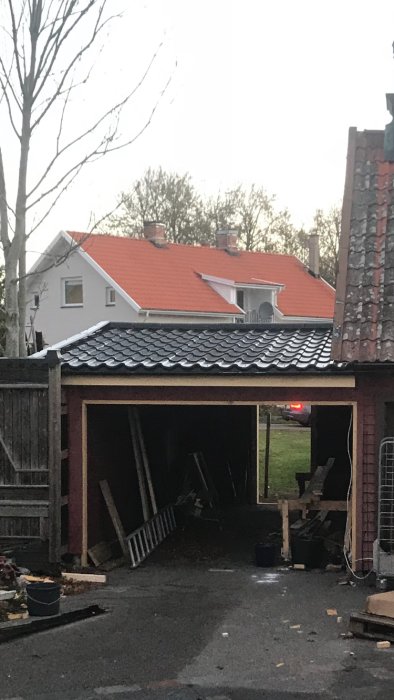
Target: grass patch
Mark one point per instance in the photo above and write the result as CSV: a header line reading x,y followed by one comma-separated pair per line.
x,y
289,453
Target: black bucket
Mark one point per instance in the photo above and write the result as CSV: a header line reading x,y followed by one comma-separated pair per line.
x,y
307,551
265,554
43,598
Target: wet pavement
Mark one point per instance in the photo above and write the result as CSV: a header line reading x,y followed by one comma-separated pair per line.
x,y
222,630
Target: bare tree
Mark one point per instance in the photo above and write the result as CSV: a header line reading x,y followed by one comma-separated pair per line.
x,y
41,67
158,196
327,224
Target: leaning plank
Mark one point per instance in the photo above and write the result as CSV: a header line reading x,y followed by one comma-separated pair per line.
x,y
316,483
138,465
40,625
145,461
88,578
114,515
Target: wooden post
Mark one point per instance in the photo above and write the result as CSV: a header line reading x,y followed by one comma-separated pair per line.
x,y
267,454
285,529
54,454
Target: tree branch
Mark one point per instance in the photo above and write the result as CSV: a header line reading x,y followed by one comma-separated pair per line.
x,y
100,121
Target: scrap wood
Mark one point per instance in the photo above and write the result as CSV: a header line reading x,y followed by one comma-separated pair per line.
x,y
17,616
87,578
36,579
384,644
100,553
372,626
40,625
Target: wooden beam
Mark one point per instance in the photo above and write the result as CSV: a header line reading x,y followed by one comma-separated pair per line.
x,y
284,506
281,381
84,418
89,578
54,454
297,504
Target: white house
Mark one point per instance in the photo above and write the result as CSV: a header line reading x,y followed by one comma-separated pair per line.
x,y
82,279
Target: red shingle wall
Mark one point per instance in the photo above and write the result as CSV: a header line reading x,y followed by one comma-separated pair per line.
x,y
374,391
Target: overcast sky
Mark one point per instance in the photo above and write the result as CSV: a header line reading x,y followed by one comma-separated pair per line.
x,y
263,92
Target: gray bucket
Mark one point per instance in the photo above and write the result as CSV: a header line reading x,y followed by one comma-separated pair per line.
x,y
43,598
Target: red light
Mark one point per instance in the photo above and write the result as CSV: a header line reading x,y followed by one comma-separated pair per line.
x,y
297,406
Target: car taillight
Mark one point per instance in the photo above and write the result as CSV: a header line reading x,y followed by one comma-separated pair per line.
x,y
296,406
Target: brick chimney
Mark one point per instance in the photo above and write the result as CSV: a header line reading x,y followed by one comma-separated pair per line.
x,y
314,256
227,239
155,233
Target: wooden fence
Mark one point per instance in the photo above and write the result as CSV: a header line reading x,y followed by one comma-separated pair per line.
x,y
30,451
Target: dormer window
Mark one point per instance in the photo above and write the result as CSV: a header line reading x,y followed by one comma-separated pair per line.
x,y
240,298
109,296
72,291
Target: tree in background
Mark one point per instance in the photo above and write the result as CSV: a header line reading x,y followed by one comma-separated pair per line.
x,y
42,70
328,226
159,196
191,218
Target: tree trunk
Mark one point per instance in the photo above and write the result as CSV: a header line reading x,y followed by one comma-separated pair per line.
x,y
11,307
22,300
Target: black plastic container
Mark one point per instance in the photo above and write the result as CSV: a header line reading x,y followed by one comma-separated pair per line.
x,y
307,551
43,598
265,554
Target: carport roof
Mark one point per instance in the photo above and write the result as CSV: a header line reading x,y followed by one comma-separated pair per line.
x,y
124,348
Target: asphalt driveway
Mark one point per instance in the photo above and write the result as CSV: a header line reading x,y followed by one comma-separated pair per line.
x,y
186,632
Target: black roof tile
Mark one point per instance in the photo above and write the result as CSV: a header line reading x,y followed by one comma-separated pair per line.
x,y
124,348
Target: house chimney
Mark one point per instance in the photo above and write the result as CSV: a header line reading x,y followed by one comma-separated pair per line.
x,y
227,239
155,233
313,262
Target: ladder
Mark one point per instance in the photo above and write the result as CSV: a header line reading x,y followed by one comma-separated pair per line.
x,y
148,536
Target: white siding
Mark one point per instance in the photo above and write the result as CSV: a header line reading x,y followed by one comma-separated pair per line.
x,y
58,322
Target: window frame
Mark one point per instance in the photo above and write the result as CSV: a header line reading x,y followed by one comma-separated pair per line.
x,y
108,301
76,278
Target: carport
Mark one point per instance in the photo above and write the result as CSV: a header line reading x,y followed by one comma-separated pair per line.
x,y
197,389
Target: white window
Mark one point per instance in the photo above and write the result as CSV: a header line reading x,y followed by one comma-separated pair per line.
x,y
72,291
109,296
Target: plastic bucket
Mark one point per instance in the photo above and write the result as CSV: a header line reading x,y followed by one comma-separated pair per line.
x,y
265,554
43,599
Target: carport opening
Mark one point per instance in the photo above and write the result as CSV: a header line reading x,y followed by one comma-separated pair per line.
x,y
223,437
293,442
226,438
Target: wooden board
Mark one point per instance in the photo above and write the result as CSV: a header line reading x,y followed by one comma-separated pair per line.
x,y
106,491
88,578
316,483
372,626
100,553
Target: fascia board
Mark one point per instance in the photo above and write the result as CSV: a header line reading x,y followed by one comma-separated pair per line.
x,y
34,269
72,339
210,314
218,280
270,286
105,275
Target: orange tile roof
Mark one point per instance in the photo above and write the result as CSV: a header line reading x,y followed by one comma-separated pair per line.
x,y
169,278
